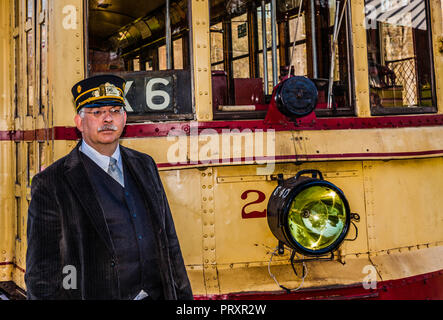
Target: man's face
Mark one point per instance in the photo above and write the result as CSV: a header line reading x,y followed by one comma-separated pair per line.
x,y
101,126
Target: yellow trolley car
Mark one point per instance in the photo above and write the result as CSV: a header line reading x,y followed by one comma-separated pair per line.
x,y
281,129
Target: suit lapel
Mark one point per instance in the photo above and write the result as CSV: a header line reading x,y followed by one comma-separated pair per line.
x,y
78,179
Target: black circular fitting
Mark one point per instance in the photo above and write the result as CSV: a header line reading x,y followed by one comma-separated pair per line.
x,y
296,97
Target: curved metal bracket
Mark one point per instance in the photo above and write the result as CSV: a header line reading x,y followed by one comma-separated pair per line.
x,y
354,217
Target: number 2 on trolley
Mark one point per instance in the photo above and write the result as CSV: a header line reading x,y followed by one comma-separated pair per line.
x,y
253,214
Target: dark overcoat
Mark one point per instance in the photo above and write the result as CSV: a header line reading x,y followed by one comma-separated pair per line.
x,y
67,229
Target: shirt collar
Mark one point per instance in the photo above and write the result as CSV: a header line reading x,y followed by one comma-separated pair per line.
x,y
101,160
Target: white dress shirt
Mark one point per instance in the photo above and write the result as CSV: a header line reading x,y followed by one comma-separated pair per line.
x,y
101,160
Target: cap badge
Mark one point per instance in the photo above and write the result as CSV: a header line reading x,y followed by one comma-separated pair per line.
x,y
106,89
109,89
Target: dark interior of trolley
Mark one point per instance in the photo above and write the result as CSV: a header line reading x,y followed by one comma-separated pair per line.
x,y
314,37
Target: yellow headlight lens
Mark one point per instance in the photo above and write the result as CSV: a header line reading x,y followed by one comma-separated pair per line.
x,y
316,217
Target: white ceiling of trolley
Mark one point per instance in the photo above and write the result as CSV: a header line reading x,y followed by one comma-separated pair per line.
x,y
106,17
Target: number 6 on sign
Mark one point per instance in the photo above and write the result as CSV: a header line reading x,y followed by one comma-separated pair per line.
x,y
150,94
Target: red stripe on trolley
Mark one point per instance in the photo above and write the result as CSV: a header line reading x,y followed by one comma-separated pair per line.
x,y
304,157
12,263
419,287
194,127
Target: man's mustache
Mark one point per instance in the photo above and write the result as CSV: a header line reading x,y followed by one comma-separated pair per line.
x,y
107,127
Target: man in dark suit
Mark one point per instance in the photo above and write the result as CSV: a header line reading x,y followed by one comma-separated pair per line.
x,y
99,223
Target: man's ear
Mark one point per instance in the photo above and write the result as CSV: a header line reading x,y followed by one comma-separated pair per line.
x,y
78,122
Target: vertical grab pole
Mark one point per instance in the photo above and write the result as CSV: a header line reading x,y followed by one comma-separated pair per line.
x,y
168,36
334,43
314,42
265,46
274,42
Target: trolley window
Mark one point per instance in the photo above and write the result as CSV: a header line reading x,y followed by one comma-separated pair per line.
x,y
147,43
254,43
401,78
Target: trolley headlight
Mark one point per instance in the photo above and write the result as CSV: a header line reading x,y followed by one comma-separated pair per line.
x,y
296,97
309,214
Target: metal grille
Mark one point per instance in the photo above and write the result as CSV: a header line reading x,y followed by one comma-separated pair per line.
x,y
405,75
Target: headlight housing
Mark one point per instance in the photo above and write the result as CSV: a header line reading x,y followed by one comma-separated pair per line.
x,y
309,214
296,97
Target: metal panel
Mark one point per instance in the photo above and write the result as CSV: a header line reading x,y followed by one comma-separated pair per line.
x,y
404,262
201,59
7,199
186,210
243,235
7,209
67,50
436,9
360,59
406,196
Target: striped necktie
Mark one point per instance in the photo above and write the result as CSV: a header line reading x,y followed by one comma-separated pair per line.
x,y
115,172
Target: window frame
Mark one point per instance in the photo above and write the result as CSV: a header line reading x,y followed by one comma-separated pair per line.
x,y
187,64
383,111
351,96
352,111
